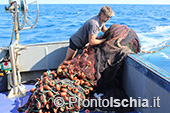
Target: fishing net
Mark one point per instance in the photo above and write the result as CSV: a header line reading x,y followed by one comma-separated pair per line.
x,y
97,69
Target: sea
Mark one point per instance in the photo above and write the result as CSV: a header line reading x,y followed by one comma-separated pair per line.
x,y
57,22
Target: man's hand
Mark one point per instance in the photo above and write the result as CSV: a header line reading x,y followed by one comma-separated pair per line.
x,y
94,41
104,29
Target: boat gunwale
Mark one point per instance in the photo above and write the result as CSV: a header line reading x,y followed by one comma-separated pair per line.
x,y
158,71
38,44
150,70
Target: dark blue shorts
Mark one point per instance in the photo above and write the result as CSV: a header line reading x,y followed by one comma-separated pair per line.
x,y
72,45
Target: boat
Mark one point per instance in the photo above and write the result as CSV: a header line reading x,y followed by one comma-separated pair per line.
x,y
142,80
145,80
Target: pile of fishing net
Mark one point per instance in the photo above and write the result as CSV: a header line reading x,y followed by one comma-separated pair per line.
x,y
96,70
49,87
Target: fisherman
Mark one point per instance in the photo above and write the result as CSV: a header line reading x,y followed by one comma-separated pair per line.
x,y
88,33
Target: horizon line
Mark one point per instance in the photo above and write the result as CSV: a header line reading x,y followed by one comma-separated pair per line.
x,y
104,3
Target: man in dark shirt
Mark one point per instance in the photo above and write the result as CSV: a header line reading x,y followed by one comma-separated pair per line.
x,y
89,31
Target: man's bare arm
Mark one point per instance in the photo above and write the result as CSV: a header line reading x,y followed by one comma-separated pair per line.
x,y
94,41
104,29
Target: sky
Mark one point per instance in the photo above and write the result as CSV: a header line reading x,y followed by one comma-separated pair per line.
x,y
96,1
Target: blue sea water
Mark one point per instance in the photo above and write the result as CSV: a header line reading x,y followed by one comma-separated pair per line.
x,y
57,22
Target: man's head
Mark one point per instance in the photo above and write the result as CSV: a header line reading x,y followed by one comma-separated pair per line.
x,y
105,13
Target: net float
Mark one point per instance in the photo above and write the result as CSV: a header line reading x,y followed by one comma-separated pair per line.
x,y
74,90
95,83
63,89
59,71
82,75
83,97
45,73
71,77
38,105
70,72
47,87
153,51
89,63
85,54
86,82
41,88
53,73
51,83
64,85
61,109
65,70
69,87
40,82
86,91
86,50
74,78
48,106
54,110
50,94
63,94
79,94
40,111
81,82
58,87
45,101
63,66
90,88
66,108
77,82
37,79
32,90
67,62
66,98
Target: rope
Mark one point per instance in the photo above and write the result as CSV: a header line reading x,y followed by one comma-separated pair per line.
x,y
154,51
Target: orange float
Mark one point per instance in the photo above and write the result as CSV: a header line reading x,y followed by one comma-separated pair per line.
x,y
63,89
63,94
50,94
75,90
47,87
69,87
77,82
58,87
32,90
51,83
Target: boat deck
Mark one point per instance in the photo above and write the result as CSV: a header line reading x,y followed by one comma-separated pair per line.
x,y
11,105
